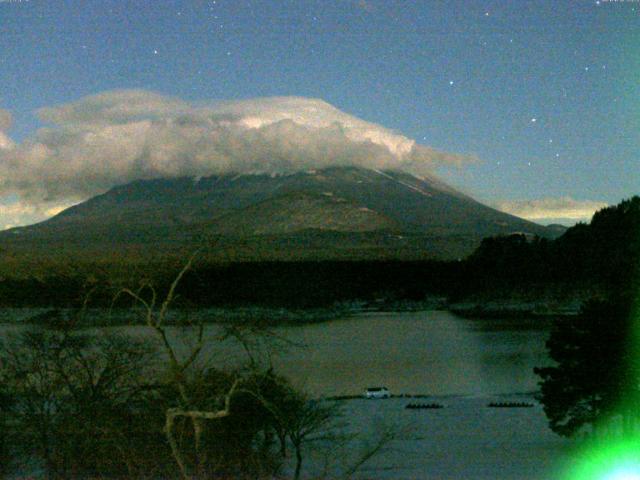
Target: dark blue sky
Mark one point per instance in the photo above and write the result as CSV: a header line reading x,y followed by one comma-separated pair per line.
x,y
465,77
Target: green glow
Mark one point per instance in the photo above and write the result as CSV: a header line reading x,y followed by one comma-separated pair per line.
x,y
624,473
620,461
616,458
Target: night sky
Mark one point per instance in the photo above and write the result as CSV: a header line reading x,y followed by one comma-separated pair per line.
x,y
542,94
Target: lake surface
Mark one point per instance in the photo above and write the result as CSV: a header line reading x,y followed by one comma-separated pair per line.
x,y
430,352
434,353
463,440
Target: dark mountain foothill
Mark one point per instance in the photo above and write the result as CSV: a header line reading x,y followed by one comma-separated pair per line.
x,y
346,213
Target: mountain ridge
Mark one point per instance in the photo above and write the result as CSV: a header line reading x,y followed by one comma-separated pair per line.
x,y
330,202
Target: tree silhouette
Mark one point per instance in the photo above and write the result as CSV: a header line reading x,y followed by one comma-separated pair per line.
x,y
597,372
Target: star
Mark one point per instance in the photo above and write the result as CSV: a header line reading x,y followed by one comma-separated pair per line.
x,y
586,69
450,82
486,14
557,155
534,120
155,52
551,140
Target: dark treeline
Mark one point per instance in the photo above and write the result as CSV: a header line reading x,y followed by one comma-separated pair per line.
x,y
604,253
287,284
601,256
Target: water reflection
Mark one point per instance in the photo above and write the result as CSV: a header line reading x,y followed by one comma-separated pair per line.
x,y
432,352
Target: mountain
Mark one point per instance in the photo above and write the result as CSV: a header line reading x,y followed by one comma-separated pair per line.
x,y
337,212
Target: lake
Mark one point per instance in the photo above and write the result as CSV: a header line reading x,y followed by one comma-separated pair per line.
x,y
432,352
428,352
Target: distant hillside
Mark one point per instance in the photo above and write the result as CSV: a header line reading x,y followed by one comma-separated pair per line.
x,y
334,213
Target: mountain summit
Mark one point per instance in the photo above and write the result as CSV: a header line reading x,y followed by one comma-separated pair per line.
x,y
330,213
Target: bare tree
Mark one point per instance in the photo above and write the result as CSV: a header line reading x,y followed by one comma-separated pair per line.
x,y
72,394
155,319
296,419
308,421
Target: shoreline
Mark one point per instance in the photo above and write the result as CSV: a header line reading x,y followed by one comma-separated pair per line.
x,y
279,316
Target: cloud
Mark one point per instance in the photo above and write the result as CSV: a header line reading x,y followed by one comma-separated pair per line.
x,y
114,107
564,209
115,137
19,213
6,119
5,142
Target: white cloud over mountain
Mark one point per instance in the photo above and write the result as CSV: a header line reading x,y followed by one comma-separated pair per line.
x,y
552,209
20,213
119,136
6,120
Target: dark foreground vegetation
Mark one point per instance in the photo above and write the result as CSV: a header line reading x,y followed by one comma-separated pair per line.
x,y
76,406
594,384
